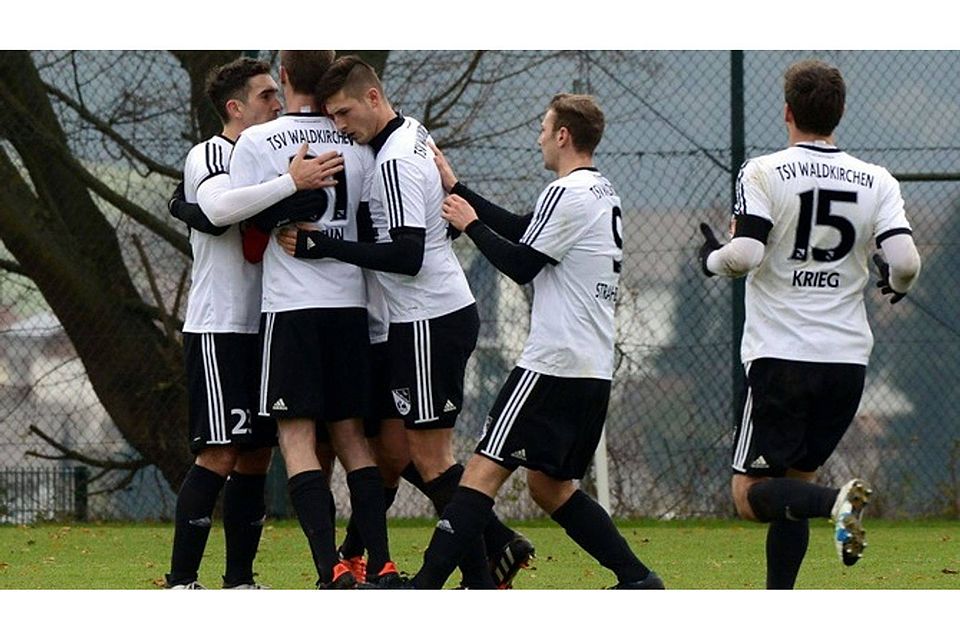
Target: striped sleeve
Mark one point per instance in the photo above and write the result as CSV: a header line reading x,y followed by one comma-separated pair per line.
x,y
403,194
558,221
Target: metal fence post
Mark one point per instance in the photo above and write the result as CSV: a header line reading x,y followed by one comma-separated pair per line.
x,y
81,482
737,157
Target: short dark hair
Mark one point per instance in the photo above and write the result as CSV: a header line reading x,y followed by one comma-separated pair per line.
x,y
305,68
229,82
351,75
815,93
582,117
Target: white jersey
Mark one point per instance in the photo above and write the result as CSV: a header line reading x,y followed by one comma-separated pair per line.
x,y
225,288
805,299
577,224
378,316
407,193
263,152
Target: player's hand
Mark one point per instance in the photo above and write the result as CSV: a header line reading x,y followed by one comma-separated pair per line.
x,y
884,283
710,244
458,212
315,173
447,177
176,198
287,239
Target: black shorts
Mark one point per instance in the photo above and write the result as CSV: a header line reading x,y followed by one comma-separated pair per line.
x,y
428,359
315,364
794,415
382,406
546,423
222,373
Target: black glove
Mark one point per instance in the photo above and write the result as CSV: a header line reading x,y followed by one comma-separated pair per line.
x,y
176,197
191,214
884,283
303,206
310,244
710,244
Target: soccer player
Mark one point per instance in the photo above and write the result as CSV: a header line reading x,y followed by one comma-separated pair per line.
x,y
314,330
549,414
220,345
433,315
803,225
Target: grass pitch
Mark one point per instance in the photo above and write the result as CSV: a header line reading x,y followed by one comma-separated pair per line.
x,y
686,554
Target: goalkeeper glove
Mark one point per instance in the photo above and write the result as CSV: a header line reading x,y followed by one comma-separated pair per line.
x,y
884,283
710,244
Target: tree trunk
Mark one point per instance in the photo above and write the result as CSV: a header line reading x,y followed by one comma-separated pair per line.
x,y
69,249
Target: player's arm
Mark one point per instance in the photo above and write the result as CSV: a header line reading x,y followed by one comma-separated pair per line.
x,y
505,223
742,254
751,227
519,262
191,214
899,266
403,255
225,205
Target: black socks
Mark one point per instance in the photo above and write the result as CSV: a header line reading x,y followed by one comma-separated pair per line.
x,y
194,511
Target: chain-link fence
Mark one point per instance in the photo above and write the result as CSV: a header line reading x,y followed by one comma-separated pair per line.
x,y
93,273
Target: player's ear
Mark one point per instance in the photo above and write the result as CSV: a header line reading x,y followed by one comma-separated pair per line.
x,y
234,108
373,97
787,114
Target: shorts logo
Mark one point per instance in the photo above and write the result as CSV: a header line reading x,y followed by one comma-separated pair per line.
x,y
519,454
486,427
449,406
401,398
280,405
759,463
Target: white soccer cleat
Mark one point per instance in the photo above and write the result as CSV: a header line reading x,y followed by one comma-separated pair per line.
x,y
848,534
189,585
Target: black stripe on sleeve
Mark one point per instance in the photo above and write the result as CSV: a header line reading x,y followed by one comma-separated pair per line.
x,y
892,232
542,216
753,227
391,192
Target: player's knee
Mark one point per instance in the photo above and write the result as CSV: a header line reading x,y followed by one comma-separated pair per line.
x,y
256,462
220,460
740,488
549,494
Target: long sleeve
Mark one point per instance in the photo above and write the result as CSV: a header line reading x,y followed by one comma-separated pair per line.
x,y
519,262
505,223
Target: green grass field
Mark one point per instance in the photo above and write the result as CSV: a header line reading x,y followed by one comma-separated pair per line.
x,y
687,554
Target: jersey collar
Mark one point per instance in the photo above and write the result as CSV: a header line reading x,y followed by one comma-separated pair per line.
x,y
380,139
594,169
223,137
822,147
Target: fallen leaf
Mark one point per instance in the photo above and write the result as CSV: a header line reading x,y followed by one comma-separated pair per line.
x,y
950,571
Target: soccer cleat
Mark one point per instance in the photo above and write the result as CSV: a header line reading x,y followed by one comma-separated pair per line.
x,y
652,581
189,585
514,556
358,567
252,584
388,578
342,578
848,534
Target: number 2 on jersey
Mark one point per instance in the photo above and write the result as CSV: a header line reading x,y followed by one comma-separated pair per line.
x,y
824,199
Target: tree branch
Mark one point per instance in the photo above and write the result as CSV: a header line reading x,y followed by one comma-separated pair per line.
x,y
459,85
13,267
70,454
105,128
131,209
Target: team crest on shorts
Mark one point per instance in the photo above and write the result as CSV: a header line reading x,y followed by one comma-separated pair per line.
x,y
401,398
